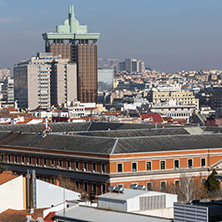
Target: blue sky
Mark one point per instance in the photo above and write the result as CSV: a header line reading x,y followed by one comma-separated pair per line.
x,y
169,35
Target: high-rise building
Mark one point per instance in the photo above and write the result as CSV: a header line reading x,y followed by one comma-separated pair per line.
x,y
44,80
132,66
8,90
4,73
73,41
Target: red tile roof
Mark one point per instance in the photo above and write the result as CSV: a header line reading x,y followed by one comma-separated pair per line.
x,y
155,117
6,176
11,215
49,217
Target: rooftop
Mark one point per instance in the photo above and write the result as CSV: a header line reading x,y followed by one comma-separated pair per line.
x,y
85,213
6,176
128,193
19,215
71,29
109,145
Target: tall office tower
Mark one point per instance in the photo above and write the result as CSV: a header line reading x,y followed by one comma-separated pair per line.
x,y
43,81
73,41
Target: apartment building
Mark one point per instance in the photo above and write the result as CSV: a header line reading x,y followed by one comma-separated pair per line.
x,y
97,159
44,80
181,97
8,90
174,110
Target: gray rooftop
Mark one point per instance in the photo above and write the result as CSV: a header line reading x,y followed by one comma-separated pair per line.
x,y
168,143
56,127
85,213
59,142
135,132
73,127
128,193
107,145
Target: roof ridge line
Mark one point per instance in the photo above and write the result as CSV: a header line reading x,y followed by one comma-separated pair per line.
x,y
114,146
87,130
154,136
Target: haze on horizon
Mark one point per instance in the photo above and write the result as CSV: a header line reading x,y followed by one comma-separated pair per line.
x,y
169,35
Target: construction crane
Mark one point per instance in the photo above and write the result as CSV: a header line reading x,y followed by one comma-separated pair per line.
x,y
111,61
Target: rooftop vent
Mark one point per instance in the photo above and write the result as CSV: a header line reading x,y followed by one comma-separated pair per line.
x,y
134,186
115,189
137,187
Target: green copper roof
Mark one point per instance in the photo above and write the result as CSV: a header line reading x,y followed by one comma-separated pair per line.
x,y
71,29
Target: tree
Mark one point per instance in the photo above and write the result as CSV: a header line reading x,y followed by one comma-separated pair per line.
x,y
188,188
66,182
69,183
212,184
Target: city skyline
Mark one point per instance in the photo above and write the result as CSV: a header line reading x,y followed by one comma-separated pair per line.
x,y
169,36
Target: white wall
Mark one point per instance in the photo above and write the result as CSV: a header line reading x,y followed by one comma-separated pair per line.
x,y
133,204
170,199
59,207
49,194
11,194
112,204
165,212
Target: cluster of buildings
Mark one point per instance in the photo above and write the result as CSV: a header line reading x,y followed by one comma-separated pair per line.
x,y
68,73
82,143
132,66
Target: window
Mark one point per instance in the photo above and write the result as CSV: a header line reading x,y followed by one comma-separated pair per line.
x,y
203,180
85,186
9,158
203,162
177,183
103,167
134,166
94,188
37,160
16,158
44,178
120,167
190,163
23,159
148,166
85,165
103,188
77,184
94,166
162,165
52,180
162,186
68,163
30,160
2,157
60,163
52,162
77,164
44,161
149,186
176,164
